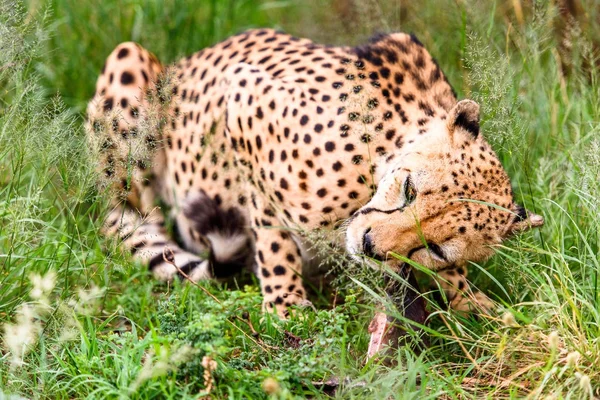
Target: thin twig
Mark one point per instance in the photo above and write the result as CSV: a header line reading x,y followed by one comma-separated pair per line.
x,y
171,261
335,296
246,319
248,336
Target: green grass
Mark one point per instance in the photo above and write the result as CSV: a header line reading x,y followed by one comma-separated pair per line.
x,y
105,329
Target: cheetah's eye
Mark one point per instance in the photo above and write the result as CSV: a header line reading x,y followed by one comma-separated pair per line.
x,y
410,192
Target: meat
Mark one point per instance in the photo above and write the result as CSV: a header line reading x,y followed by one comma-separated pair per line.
x,y
388,332
382,334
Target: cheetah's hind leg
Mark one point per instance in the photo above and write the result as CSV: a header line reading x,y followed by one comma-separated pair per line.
x,y
124,128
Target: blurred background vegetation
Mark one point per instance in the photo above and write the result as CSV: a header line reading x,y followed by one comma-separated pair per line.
x,y
83,33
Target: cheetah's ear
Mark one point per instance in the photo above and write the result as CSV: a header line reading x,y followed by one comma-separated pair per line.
x,y
464,117
524,219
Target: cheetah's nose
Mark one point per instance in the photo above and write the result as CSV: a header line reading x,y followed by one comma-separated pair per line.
x,y
367,243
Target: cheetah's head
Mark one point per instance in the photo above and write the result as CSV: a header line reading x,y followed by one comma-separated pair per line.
x,y
447,200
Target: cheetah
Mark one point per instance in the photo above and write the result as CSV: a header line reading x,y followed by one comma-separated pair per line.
x,y
263,137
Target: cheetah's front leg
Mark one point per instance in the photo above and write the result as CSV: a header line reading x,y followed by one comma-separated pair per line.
x,y
252,133
278,260
459,295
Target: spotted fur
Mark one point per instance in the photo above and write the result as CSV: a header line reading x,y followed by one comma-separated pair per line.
x,y
265,136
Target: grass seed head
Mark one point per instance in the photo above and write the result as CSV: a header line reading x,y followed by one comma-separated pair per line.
x,y
20,337
572,359
584,383
553,340
42,285
271,386
508,319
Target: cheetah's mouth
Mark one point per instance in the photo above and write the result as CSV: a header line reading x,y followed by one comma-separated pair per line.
x,y
368,249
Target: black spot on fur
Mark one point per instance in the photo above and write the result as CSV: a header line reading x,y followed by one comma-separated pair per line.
x,y
279,270
521,214
470,125
108,104
124,52
416,41
127,78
